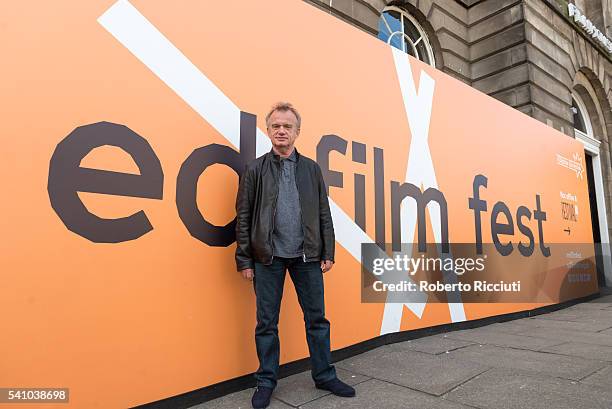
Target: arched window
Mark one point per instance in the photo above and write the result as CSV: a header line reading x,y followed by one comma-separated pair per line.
x,y
582,121
402,31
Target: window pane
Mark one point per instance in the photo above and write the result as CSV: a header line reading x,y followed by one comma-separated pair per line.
x,y
409,49
578,117
422,48
392,19
410,30
383,31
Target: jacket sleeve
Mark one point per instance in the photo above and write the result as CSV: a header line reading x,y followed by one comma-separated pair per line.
x,y
244,213
326,223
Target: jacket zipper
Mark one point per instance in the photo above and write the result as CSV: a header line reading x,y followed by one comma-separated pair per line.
x,y
301,215
274,213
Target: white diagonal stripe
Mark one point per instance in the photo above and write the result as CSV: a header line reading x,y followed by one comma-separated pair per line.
x,y
166,61
419,172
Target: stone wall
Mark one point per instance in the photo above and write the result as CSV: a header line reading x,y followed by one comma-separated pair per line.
x,y
499,53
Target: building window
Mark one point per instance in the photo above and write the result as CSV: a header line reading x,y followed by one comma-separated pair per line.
x,y
581,118
403,32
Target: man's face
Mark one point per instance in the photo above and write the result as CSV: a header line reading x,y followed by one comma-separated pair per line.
x,y
282,129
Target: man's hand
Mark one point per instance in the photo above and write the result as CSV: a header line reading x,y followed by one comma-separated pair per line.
x,y
247,274
326,265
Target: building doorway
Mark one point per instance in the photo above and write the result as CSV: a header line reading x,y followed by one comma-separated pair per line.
x,y
601,280
584,133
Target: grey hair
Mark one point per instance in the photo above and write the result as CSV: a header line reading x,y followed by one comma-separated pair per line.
x,y
283,107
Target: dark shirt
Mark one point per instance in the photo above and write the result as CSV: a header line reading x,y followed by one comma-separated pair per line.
x,y
288,237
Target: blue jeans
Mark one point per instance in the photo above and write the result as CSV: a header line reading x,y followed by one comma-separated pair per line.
x,y
308,282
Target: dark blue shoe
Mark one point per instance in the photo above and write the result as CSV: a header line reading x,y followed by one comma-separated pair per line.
x,y
337,387
261,397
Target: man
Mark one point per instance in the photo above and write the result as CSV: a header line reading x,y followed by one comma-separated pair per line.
x,y
283,222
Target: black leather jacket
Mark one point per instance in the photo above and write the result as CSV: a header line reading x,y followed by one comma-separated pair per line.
x,y
256,205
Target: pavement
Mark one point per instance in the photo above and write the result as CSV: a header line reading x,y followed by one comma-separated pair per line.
x,y
562,359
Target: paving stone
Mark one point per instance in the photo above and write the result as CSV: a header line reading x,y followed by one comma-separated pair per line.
x,y
299,389
517,390
561,366
376,394
489,336
435,374
578,315
238,400
597,305
601,378
521,364
513,327
561,336
588,351
588,326
562,315
606,331
436,344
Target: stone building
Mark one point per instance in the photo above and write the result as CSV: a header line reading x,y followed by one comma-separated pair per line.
x,y
550,59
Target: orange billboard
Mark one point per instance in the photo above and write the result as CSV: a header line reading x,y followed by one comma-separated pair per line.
x,y
125,127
